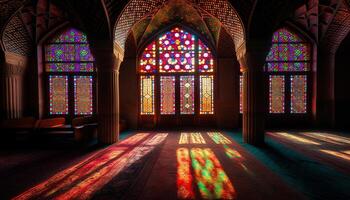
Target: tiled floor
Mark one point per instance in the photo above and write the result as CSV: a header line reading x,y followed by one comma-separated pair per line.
x,y
190,165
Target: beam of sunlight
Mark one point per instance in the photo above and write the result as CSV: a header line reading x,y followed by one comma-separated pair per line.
x,y
231,153
184,138
219,138
238,158
88,176
184,177
191,138
211,179
331,137
321,138
133,140
295,138
197,138
336,154
347,152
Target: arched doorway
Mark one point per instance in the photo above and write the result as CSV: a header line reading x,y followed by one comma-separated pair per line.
x,y
176,81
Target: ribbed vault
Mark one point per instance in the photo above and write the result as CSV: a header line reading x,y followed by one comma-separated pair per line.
x,y
135,10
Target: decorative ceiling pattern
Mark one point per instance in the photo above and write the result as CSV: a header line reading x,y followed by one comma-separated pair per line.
x,y
16,38
338,29
7,9
136,10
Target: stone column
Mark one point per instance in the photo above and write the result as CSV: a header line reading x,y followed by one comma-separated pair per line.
x,y
12,85
252,60
326,89
108,64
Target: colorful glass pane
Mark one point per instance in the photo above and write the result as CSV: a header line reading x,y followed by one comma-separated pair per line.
x,y
202,46
288,53
177,39
241,94
288,66
277,93
69,67
148,62
284,35
205,61
167,95
151,46
58,91
298,93
68,52
83,102
147,95
187,94
59,52
71,35
176,61
273,53
206,94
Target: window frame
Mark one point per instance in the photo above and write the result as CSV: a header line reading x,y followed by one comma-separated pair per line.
x,y
70,75
157,112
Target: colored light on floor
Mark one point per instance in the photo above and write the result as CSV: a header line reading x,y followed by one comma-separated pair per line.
x,y
184,177
336,154
211,179
322,138
297,139
218,138
231,153
85,178
332,137
191,138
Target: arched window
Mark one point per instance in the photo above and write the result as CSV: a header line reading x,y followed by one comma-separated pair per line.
x,y
176,76
288,66
69,68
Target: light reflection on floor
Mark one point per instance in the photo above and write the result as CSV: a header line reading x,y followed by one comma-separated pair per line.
x,y
191,138
321,145
88,176
200,166
219,138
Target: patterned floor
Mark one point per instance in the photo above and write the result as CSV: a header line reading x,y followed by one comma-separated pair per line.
x,y
202,165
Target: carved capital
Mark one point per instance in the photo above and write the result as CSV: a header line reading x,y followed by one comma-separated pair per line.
x,y
105,56
252,54
12,70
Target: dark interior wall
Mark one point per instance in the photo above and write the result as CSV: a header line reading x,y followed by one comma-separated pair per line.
x,y
342,84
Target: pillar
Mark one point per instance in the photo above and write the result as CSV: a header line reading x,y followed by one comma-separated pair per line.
x,y
12,85
108,64
252,59
326,89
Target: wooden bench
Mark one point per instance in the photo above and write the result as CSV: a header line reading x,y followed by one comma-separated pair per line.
x,y
85,128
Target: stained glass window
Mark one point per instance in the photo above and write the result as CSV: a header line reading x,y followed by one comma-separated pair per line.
x,y
288,53
167,95
298,93
147,95
66,55
187,94
288,64
58,95
206,94
83,97
277,94
175,60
